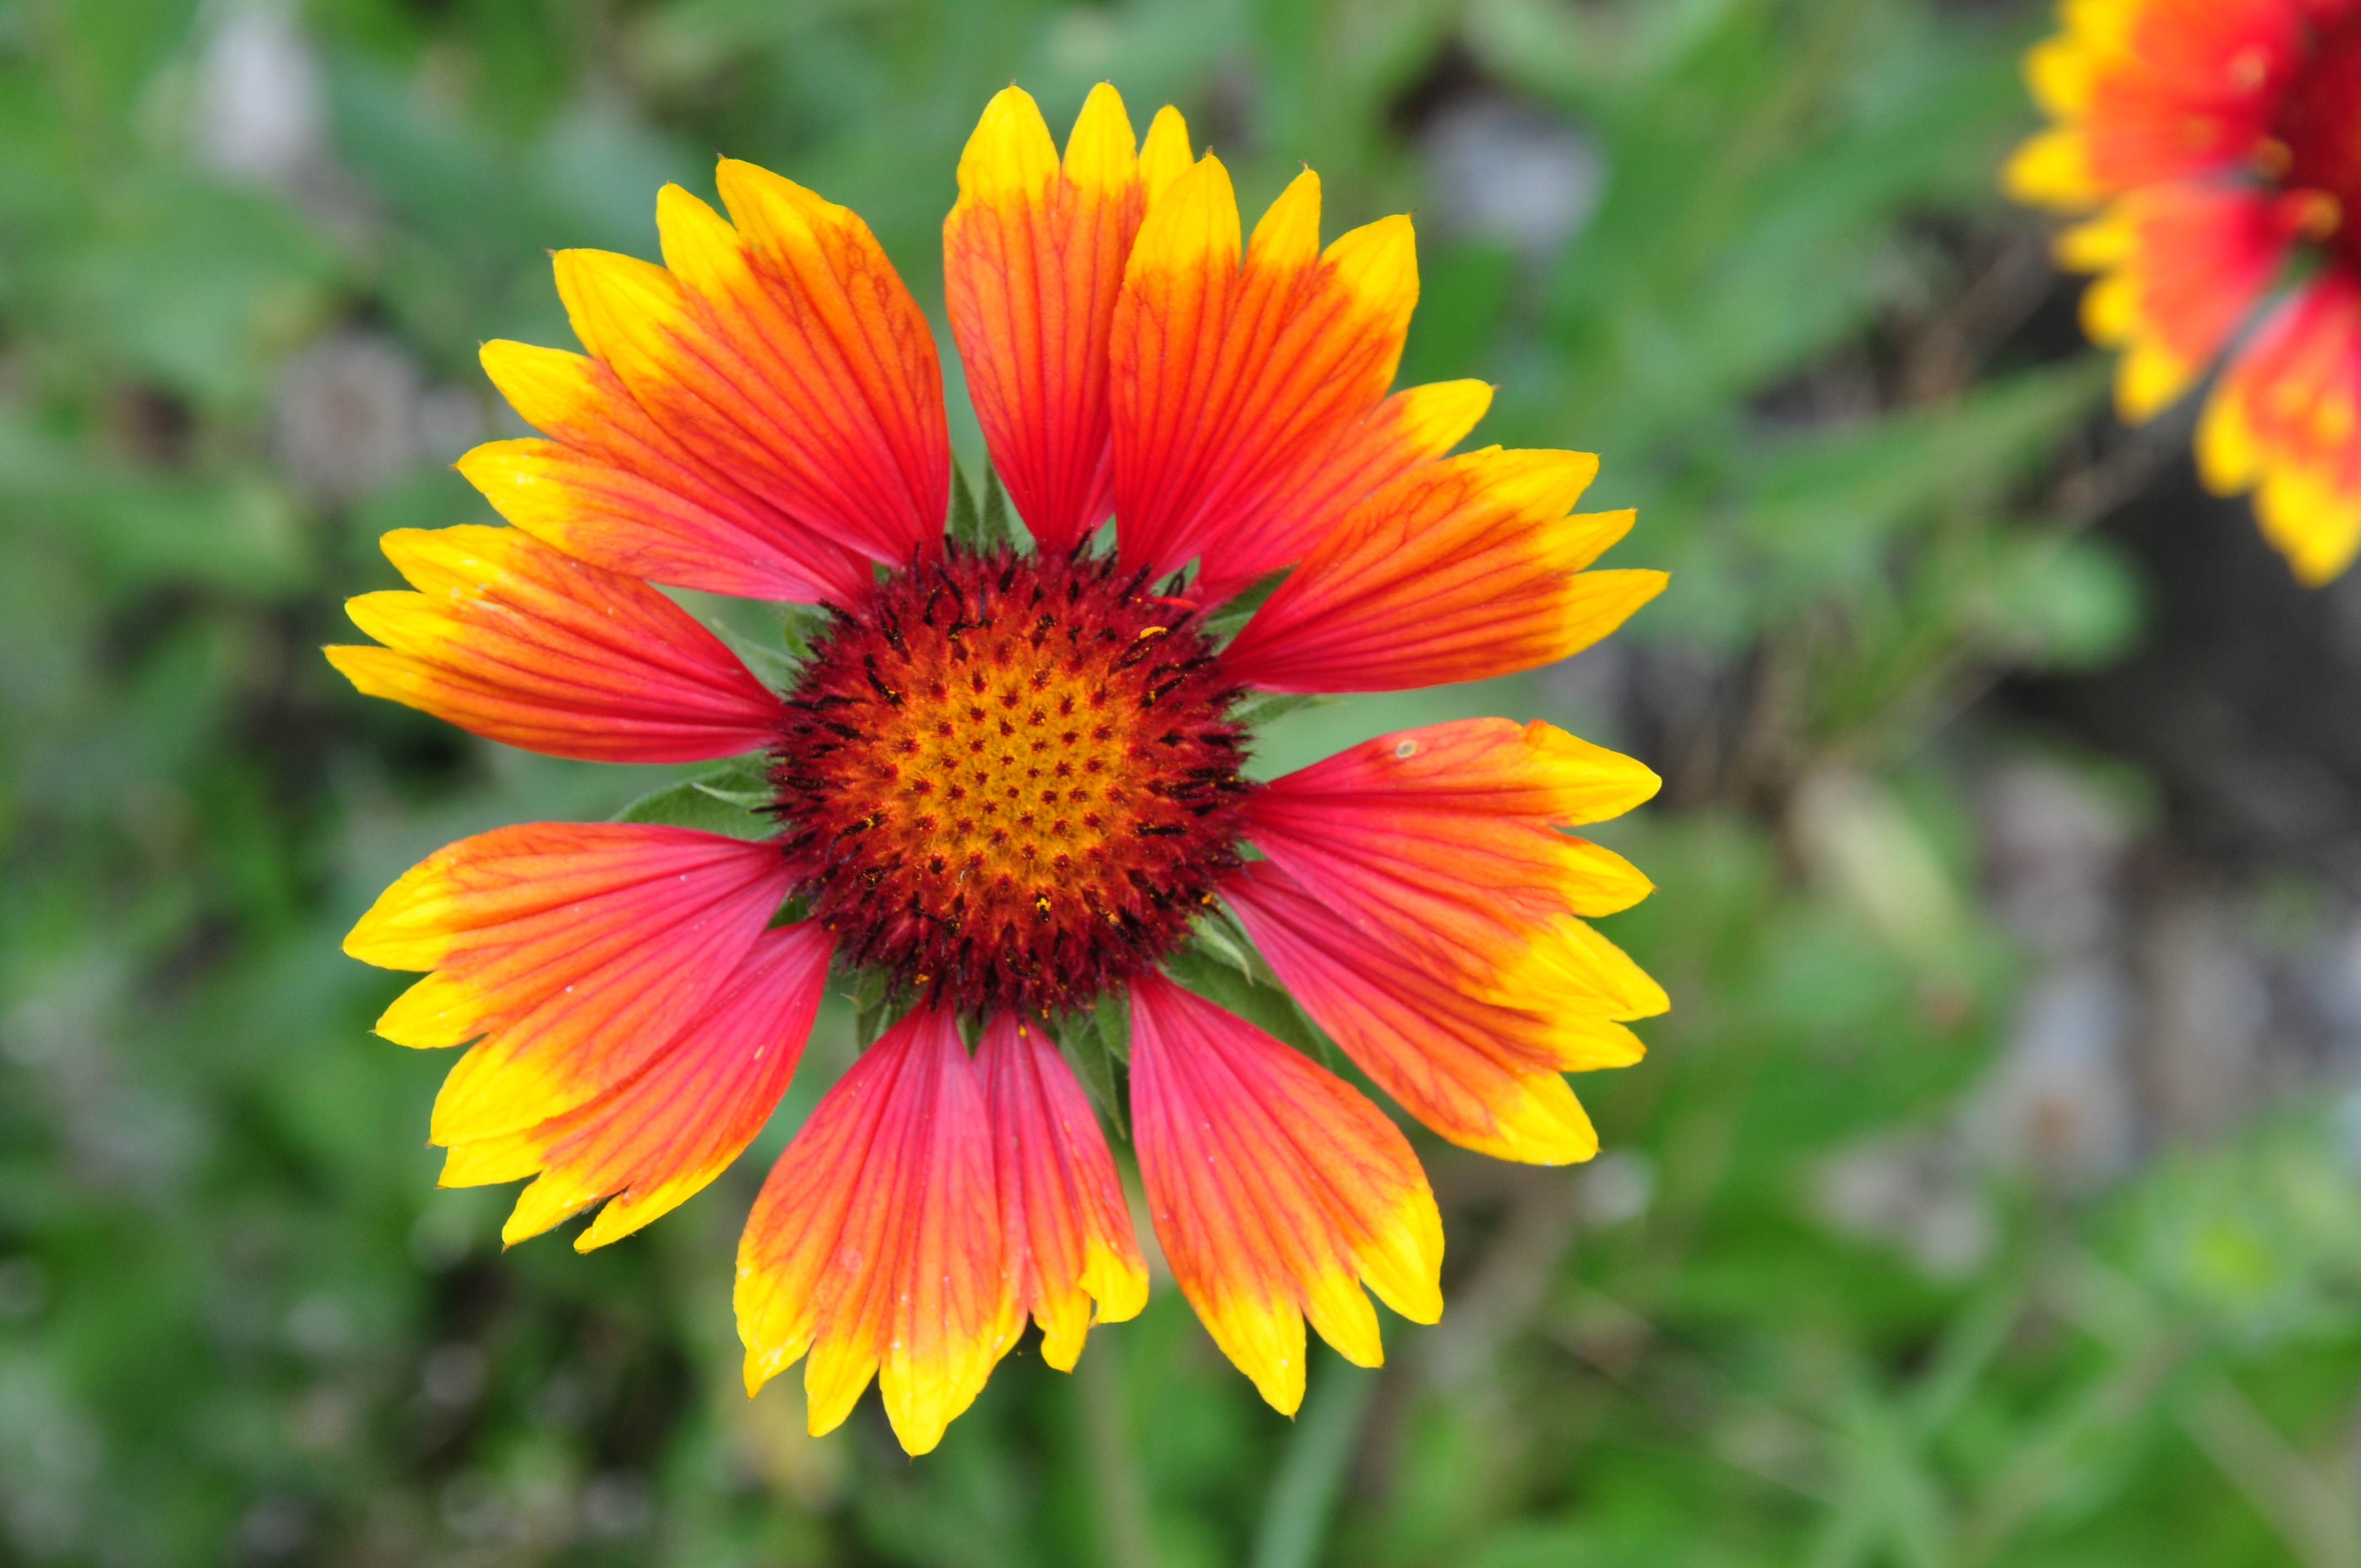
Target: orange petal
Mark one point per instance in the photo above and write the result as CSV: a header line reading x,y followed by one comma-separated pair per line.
x,y
2190,88
1245,389
2182,264
613,488
575,949
1164,153
512,639
2052,169
2152,90
1445,842
1458,570
1062,1212
783,356
1278,1191
2285,418
875,1244
1483,1075
1033,258
1409,429
834,345
653,1140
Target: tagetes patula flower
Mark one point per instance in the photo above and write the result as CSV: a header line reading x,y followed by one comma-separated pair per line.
x,y
2220,143
1008,783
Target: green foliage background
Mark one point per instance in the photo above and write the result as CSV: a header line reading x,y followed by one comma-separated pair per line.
x,y
239,1324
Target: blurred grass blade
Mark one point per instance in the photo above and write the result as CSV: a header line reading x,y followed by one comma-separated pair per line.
x,y
1295,1517
1119,1491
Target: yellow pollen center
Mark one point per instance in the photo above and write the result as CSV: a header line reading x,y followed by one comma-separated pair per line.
x,y
1013,771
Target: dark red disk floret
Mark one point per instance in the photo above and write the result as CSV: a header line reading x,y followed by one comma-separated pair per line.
x,y
2319,123
1010,781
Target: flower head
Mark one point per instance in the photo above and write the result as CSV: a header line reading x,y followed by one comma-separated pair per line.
x,y
1011,779
2219,143
1004,791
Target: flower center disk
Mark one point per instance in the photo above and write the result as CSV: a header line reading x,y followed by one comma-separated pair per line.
x,y
1010,781
2320,126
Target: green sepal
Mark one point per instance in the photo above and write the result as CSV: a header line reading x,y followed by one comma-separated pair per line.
x,y
873,1005
980,527
1220,937
801,625
776,668
733,800
965,521
1095,1042
1223,624
1261,707
999,522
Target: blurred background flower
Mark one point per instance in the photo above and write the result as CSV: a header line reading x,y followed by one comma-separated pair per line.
x,y
2219,142
1991,1195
